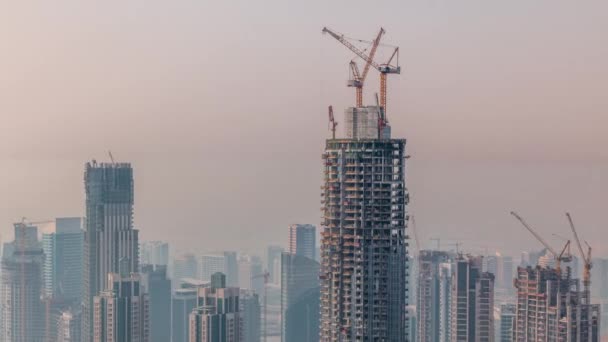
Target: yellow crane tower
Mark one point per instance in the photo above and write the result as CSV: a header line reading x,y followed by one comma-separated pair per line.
x,y
563,256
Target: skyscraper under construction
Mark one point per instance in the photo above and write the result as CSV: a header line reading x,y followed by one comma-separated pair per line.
x,y
364,243
111,243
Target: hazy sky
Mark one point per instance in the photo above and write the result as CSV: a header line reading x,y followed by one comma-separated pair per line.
x,y
221,108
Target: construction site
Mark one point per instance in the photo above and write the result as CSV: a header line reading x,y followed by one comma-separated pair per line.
x,y
364,196
551,305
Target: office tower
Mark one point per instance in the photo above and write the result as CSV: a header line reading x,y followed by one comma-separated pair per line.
x,y
433,295
413,326
184,266
158,288
21,310
507,273
303,240
273,260
472,309
182,304
507,322
62,244
120,313
300,295
69,326
216,317
599,276
211,263
251,316
231,267
551,307
109,234
155,253
364,256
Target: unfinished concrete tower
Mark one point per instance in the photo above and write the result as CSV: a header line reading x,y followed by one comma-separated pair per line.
x,y
364,243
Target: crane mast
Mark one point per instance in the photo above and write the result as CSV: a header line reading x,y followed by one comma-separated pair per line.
x,y
332,122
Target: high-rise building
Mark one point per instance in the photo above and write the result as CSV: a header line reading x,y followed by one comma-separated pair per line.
x,y
433,296
551,307
21,310
251,316
303,240
69,327
472,309
273,262
216,317
155,253
184,266
62,244
231,266
364,269
182,304
158,287
211,263
300,295
507,322
120,313
110,239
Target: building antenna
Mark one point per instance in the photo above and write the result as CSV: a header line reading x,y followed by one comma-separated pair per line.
x,y
111,157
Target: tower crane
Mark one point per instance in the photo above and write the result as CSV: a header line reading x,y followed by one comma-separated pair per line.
x,y
332,122
357,79
563,256
586,260
266,276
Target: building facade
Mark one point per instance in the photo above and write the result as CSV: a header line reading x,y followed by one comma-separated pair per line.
x,y
155,253
303,240
110,239
120,313
21,308
300,294
472,308
433,296
216,317
210,264
63,251
251,316
507,322
182,304
158,288
364,269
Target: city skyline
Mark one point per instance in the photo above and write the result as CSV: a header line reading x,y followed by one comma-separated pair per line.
x,y
519,123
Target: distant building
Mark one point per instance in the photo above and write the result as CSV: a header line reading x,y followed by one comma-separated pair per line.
x,y
184,266
155,253
111,243
507,322
158,287
251,316
63,246
273,262
303,240
551,307
251,274
121,312
21,310
209,264
216,317
434,296
182,304
69,327
231,267
300,298
472,308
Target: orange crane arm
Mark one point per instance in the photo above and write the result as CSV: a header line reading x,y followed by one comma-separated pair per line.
x,y
351,47
372,53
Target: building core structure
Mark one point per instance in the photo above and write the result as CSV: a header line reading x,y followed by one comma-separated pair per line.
x,y
364,267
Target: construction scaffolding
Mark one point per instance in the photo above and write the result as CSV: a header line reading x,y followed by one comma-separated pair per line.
x,y
364,242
